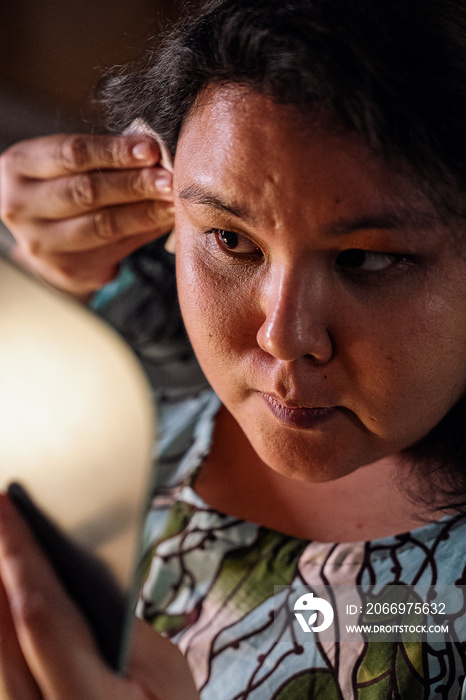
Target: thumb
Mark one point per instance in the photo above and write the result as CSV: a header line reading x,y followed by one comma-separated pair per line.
x,y
54,638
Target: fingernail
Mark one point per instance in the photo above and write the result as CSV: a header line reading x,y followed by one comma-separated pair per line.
x,y
141,151
163,182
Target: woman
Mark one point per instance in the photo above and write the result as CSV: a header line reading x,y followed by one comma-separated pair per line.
x,y
318,215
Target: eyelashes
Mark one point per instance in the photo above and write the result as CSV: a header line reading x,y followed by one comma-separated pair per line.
x,y
235,244
368,261
357,263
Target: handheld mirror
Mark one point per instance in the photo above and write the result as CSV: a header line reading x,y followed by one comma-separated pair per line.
x,y
76,437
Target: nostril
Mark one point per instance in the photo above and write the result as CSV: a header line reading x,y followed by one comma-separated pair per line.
x,y
296,316
286,342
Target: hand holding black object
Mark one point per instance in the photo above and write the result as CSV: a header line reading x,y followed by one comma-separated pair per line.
x,y
86,579
47,650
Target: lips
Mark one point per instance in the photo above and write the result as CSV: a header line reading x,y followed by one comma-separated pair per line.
x,y
295,416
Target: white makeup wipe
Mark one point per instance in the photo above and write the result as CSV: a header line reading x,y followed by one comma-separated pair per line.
x,y
139,126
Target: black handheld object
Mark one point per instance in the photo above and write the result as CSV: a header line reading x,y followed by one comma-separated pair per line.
x,y
85,578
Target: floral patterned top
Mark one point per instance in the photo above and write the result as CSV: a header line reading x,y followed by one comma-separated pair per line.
x,y
209,577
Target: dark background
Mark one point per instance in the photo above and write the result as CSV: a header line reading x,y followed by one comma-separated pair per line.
x,y
52,53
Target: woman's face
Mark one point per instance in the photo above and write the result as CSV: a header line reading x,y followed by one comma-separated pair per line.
x,y
325,304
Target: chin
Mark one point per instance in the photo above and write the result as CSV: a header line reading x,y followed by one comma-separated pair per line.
x,y
308,465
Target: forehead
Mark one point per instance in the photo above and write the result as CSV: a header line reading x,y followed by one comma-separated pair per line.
x,y
220,110
272,157
230,124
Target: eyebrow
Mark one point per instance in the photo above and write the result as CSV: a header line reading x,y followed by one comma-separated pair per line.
x,y
384,220
199,195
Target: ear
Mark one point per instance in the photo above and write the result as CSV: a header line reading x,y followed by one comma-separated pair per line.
x,y
170,243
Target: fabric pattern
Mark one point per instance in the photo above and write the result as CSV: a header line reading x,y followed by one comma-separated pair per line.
x,y
210,586
209,578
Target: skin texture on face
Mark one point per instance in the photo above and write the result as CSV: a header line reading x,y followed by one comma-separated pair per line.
x,y
324,302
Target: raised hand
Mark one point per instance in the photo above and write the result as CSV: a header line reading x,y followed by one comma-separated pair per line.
x,y
78,204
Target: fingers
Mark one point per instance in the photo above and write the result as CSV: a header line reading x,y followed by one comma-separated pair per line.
x,y
93,229
82,254
16,680
70,196
106,227
54,639
65,154
81,273
66,197
55,647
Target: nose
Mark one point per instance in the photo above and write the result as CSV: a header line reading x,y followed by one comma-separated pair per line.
x,y
295,306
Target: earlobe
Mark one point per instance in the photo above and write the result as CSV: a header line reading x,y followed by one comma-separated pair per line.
x,y
170,243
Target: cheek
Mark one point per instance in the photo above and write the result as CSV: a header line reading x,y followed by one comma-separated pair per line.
x,y
409,369
218,307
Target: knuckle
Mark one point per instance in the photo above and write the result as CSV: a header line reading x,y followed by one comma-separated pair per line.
x,y
11,205
117,149
83,191
159,214
153,212
105,226
11,159
10,209
73,153
137,183
33,247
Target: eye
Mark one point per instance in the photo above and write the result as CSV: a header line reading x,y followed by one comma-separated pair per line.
x,y
235,243
367,260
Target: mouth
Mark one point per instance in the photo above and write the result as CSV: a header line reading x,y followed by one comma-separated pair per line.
x,y
295,416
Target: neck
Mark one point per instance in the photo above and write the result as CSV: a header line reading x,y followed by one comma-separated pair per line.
x,y
368,503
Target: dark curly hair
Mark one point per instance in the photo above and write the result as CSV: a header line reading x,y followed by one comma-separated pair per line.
x,y
391,71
